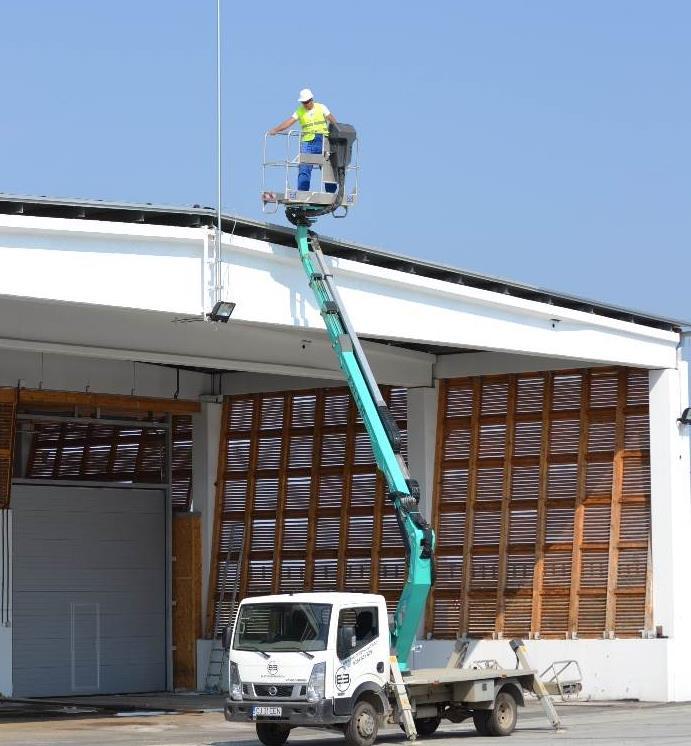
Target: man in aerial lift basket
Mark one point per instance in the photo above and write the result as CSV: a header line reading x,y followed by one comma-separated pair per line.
x,y
314,121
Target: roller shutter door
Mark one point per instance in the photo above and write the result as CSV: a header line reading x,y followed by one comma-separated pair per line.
x,y
89,590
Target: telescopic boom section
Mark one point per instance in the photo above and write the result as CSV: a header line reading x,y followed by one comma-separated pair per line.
x,y
404,492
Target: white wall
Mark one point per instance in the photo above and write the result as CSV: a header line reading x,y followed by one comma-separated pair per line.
x,y
6,628
116,264
612,669
253,383
464,364
36,370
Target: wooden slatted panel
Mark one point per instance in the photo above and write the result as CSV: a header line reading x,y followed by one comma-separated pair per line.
x,y
69,450
182,462
297,469
542,505
8,411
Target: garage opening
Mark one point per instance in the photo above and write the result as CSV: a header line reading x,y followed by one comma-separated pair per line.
x,y
89,590
96,480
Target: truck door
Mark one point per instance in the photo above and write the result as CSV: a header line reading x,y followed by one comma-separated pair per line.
x,y
362,650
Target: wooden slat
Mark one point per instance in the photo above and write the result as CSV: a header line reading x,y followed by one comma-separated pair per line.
x,y
315,476
58,451
470,505
282,487
440,440
380,505
8,423
251,486
579,510
187,567
649,619
505,508
154,405
538,573
347,484
218,512
615,519
83,462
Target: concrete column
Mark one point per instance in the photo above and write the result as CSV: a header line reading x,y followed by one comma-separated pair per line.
x,y
206,435
422,436
670,502
671,521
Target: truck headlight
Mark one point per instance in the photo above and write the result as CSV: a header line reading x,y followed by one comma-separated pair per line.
x,y
317,683
234,683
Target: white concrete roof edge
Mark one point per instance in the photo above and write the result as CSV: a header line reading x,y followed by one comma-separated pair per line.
x,y
281,254
278,253
102,228
498,300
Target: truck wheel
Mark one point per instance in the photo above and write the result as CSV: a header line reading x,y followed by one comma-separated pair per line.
x,y
427,726
362,728
500,721
272,734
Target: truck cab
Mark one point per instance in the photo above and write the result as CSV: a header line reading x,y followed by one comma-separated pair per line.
x,y
310,659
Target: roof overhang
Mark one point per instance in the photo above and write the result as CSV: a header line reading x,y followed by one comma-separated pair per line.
x,y
91,273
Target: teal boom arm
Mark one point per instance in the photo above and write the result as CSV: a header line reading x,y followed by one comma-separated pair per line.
x,y
404,493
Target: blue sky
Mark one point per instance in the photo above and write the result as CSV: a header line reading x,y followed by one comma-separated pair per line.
x,y
541,141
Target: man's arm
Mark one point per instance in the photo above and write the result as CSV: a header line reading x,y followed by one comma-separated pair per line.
x,y
283,126
331,118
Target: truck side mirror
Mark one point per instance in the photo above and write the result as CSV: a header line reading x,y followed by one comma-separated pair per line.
x,y
227,637
346,640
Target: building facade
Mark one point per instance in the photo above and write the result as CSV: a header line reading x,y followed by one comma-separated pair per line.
x,y
155,466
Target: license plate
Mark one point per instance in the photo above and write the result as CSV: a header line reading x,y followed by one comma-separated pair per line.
x,y
267,712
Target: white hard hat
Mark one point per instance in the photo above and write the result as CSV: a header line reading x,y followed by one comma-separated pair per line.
x,y
305,95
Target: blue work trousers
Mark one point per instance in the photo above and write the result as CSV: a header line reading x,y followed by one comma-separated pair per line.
x,y
305,171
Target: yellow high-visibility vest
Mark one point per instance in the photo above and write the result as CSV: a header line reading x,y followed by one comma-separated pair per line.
x,y
312,122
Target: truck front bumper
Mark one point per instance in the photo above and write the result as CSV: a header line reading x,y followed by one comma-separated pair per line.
x,y
295,713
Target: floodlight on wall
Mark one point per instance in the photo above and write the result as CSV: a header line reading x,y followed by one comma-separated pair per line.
x,y
221,311
685,418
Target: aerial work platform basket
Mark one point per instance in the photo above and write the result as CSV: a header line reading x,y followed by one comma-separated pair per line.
x,y
334,178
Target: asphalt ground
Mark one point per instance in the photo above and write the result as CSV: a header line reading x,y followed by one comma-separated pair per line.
x,y
597,724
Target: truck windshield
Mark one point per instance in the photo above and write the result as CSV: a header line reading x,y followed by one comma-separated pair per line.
x,y
282,626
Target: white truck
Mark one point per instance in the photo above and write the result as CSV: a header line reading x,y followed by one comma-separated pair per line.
x,y
323,660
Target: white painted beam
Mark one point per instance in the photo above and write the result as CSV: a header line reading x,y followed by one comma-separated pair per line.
x,y
393,305
464,364
85,330
160,268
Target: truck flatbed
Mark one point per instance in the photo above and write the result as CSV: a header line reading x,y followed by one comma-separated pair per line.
x,y
438,676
